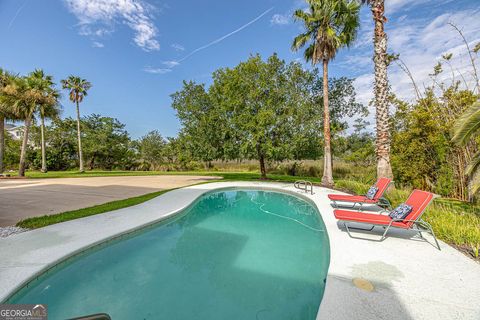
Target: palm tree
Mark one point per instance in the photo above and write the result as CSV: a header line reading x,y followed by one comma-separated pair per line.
x,y
380,58
49,108
466,127
4,113
78,88
23,94
329,26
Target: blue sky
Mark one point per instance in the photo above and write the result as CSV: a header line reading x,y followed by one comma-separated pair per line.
x,y
136,53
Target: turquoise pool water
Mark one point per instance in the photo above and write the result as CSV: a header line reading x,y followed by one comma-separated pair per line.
x,y
233,254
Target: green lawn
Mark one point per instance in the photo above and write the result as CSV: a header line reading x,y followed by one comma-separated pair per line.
x,y
38,222
230,176
453,221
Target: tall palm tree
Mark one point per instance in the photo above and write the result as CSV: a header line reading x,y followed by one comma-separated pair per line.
x,y
78,88
466,127
380,58
48,108
329,26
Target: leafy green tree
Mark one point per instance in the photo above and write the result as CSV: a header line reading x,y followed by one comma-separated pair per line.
x,y
380,58
61,138
11,155
78,89
260,107
106,142
466,127
358,148
423,155
152,149
201,120
329,26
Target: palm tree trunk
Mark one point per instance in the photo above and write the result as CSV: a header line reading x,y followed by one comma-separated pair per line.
x,y
327,179
2,142
42,131
23,152
79,137
384,168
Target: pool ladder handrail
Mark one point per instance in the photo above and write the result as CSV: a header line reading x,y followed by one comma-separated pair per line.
x,y
298,184
98,316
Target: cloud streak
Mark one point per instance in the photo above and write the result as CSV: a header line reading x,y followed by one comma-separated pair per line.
x,y
16,14
216,41
153,70
173,63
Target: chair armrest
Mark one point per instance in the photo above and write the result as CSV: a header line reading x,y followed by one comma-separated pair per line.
x,y
404,220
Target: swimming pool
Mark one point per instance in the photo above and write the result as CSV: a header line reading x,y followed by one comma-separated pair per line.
x,y
233,254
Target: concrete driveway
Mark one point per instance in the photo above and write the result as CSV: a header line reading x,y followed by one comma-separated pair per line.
x,y
20,199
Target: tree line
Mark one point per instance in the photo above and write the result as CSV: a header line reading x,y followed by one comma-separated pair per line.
x,y
261,109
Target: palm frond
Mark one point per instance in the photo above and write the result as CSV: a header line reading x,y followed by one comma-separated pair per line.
x,y
300,41
329,25
467,125
474,165
475,184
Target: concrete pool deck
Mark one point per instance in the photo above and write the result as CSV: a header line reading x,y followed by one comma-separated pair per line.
x,y
411,278
24,198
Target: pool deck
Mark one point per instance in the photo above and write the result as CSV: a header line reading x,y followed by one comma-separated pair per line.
x,y
411,279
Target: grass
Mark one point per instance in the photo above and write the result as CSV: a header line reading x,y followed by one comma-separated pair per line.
x,y
43,221
455,222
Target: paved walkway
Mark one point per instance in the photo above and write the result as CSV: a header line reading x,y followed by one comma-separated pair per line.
x,y
411,278
20,199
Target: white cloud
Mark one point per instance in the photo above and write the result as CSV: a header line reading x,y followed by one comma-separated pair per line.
x,y
97,44
394,5
280,19
156,70
98,18
171,63
425,46
177,47
421,44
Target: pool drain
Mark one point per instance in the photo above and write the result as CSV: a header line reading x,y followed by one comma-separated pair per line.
x,y
363,284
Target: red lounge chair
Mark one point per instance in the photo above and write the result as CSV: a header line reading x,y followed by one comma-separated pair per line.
x,y
419,200
382,185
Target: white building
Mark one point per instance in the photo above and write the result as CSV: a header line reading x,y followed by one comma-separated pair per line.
x,y
15,132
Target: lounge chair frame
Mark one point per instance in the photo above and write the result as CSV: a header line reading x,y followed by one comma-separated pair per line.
x,y
419,225
382,202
